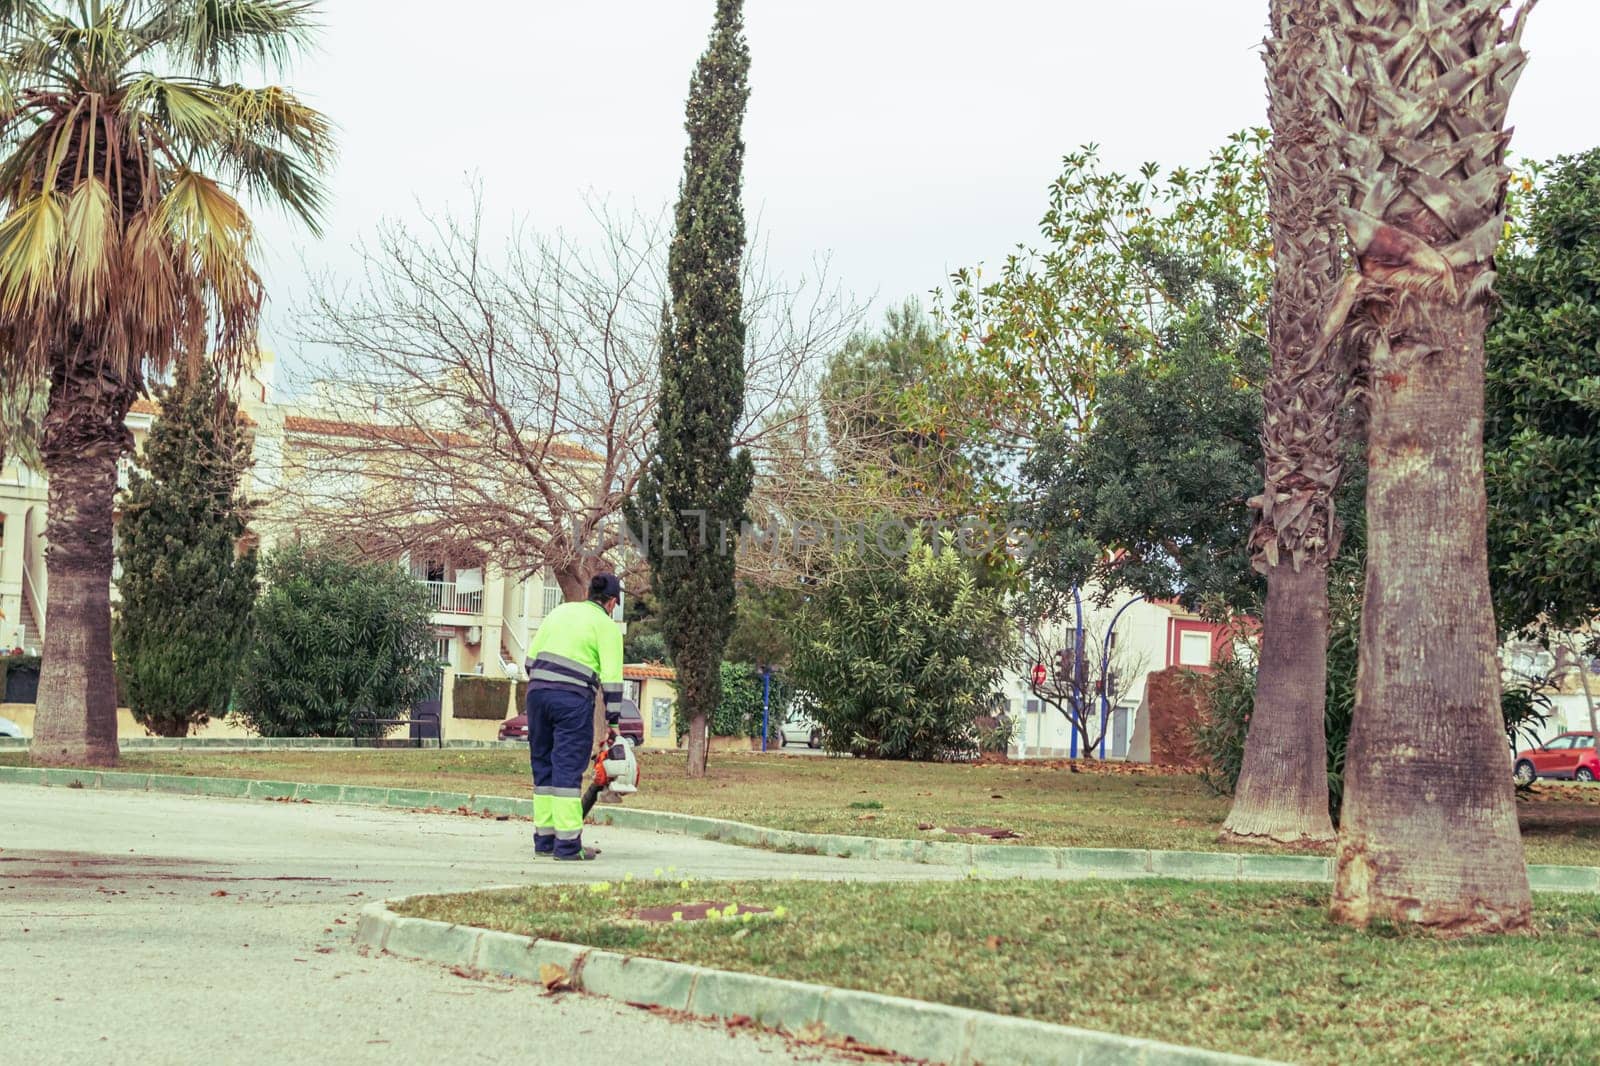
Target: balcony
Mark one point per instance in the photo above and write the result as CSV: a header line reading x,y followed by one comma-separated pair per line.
x,y
446,600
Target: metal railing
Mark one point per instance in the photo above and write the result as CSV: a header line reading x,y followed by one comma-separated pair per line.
x,y
445,598
35,605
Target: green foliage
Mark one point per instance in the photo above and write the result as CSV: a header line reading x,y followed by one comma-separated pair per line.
x,y
183,622
738,712
335,637
901,656
691,498
647,647
763,629
1151,497
878,444
481,698
1035,342
1542,435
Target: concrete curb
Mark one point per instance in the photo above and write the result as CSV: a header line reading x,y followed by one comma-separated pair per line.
x,y
220,744
1086,862
244,788
910,1027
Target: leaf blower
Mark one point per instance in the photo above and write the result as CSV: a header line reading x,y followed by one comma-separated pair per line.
x,y
616,768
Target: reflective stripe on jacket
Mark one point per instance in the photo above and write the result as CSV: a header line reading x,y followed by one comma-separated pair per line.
x,y
578,646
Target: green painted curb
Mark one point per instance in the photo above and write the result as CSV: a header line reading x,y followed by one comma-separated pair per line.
x,y
364,795
909,1027
226,787
272,789
1087,862
409,797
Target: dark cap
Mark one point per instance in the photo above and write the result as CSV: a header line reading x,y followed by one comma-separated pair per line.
x,y
605,587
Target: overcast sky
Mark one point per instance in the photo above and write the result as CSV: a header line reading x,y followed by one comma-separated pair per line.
x,y
900,138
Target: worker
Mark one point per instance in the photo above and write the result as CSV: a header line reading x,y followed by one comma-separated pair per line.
x,y
576,653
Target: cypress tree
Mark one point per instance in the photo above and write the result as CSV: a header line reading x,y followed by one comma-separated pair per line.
x,y
692,498
187,590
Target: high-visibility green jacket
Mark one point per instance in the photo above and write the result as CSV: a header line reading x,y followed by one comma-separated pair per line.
x,y
578,646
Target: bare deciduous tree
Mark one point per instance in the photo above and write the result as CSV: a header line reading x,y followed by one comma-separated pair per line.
x,y
504,403
1077,678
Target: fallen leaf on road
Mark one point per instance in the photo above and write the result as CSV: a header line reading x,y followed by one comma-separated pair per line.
x,y
220,892
324,951
462,971
554,978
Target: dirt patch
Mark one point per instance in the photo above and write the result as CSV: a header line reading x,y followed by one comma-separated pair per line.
x,y
693,912
993,832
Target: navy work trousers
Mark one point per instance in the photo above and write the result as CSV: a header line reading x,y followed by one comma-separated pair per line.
x,y
560,741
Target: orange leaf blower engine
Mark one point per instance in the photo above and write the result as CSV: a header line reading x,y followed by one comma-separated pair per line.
x,y
616,767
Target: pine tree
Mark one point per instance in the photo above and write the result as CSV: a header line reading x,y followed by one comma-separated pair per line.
x,y
692,498
187,590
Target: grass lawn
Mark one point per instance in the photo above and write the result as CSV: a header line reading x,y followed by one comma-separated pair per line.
x,y
1048,805
1251,969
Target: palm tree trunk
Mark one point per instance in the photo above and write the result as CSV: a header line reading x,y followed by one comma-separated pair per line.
x,y
1429,832
1282,796
85,433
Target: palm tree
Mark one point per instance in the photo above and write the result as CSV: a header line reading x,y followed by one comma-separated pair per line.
x,y
123,141
1282,796
1428,832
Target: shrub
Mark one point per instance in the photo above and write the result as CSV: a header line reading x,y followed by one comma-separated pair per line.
x,y
901,655
25,670
335,637
481,698
183,621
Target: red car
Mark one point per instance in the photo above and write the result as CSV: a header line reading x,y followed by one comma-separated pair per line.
x,y
631,726
1571,756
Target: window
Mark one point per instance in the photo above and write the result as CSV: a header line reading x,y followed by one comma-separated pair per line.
x,y
1583,742
1560,744
1194,649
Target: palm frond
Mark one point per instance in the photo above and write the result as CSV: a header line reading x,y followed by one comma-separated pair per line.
x,y
212,235
221,36
30,245
275,112
269,174
90,235
188,109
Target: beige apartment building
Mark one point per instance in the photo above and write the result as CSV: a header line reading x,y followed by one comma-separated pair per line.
x,y
484,616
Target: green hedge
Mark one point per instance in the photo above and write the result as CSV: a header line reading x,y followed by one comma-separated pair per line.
x,y
15,662
482,698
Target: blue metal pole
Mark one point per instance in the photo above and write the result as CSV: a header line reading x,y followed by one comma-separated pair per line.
x,y
1105,665
766,702
1077,677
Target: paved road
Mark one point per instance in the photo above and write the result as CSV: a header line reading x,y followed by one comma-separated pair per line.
x,y
143,928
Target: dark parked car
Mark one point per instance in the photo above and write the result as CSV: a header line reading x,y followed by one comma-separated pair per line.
x,y
631,726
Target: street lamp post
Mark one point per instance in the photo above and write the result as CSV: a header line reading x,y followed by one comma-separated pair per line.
x,y
1076,695
1105,667
766,702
